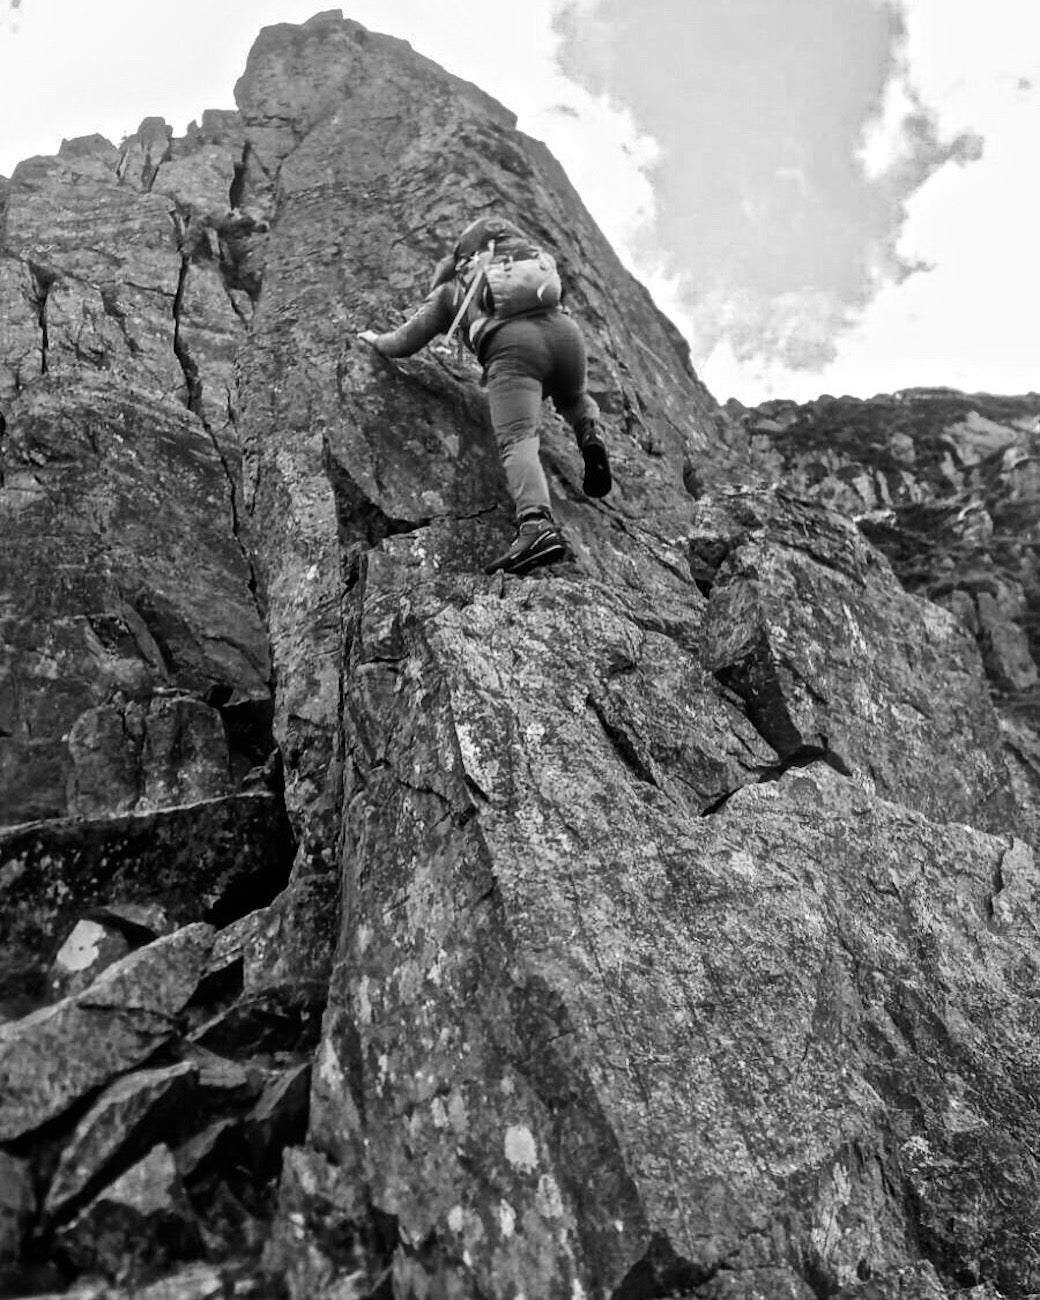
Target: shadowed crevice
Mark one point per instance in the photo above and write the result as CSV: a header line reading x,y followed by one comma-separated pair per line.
x,y
804,756
236,191
194,393
641,767
756,679
187,363
43,279
360,523
661,1273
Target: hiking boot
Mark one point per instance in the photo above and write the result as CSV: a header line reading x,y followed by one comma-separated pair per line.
x,y
537,542
598,480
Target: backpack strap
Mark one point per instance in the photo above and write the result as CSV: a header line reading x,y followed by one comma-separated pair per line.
x,y
483,261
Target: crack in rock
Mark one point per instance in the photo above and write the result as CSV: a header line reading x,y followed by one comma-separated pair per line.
x,y
756,680
43,279
804,756
641,767
360,522
662,1273
193,385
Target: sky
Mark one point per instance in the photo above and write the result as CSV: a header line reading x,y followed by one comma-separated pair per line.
x,y
826,196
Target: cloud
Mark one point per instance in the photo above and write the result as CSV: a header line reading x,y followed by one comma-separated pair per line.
x,y
796,329
790,140
902,143
609,160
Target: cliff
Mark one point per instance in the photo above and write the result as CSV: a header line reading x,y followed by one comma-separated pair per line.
x,y
662,924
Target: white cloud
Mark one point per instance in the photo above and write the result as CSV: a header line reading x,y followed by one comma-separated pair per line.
x,y
609,161
970,321
961,52
883,138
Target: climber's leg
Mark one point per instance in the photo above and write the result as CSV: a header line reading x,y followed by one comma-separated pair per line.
x,y
515,399
566,385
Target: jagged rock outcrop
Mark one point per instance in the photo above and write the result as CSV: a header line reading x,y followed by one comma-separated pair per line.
x,y
130,621
947,485
204,861
663,924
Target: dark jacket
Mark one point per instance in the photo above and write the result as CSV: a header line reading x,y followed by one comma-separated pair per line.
x,y
433,317
446,295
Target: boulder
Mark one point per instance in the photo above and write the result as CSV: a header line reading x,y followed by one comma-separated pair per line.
x,y
192,1282
790,1029
54,1057
833,659
124,1123
134,1229
210,860
207,1282
1004,644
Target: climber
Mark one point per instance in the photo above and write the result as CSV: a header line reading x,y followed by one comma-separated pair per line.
x,y
529,348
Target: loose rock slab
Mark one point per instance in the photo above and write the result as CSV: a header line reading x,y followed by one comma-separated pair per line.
x,y
204,861
50,1059
137,1226
128,1115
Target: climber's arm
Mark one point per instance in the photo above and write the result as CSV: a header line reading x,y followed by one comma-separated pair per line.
x,y
433,317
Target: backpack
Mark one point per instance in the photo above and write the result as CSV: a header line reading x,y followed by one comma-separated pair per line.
x,y
509,277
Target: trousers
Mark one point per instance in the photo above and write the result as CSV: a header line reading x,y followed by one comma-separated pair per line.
x,y
526,360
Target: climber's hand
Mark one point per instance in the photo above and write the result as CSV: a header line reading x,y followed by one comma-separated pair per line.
x,y
371,338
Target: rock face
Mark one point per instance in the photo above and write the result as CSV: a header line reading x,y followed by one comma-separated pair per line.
x,y
947,485
129,619
661,924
